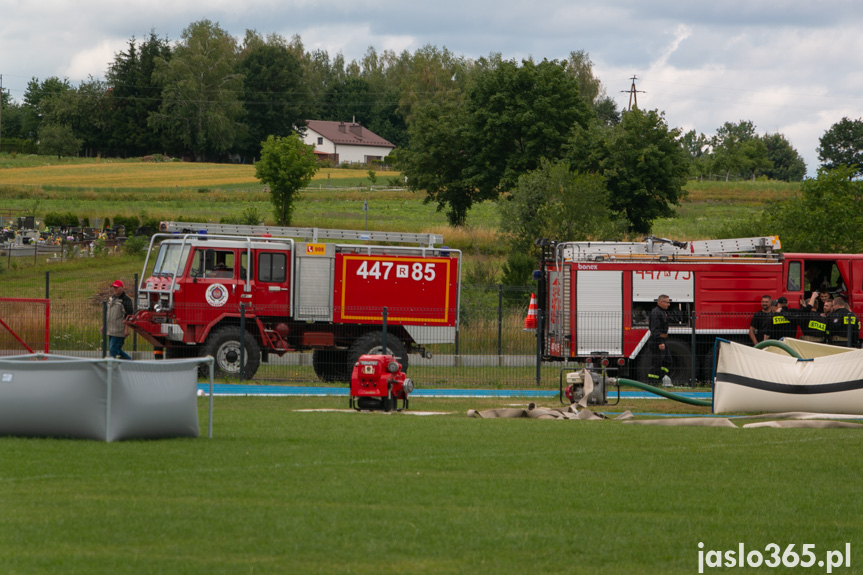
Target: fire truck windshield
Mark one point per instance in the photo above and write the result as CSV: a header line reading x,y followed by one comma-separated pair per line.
x,y
171,259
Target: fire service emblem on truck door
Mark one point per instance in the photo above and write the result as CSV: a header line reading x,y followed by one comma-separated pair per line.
x,y
217,295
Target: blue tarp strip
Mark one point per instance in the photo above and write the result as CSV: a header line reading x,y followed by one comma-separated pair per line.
x,y
318,391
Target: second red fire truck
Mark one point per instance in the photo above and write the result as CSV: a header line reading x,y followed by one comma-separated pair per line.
x,y
595,297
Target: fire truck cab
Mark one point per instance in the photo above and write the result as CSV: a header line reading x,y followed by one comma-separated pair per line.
x,y
595,298
212,287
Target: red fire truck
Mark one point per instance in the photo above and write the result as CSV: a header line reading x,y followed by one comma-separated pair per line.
x,y
294,292
595,297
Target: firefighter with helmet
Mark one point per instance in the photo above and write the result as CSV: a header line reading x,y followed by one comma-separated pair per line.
x,y
660,358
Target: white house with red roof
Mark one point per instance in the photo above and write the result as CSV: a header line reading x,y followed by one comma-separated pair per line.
x,y
343,143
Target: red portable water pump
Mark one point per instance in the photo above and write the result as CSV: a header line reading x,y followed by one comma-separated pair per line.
x,y
378,382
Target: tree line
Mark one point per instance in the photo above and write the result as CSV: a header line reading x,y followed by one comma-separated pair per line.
x,y
209,96
542,137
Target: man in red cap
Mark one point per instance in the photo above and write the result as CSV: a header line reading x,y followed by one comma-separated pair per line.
x,y
119,307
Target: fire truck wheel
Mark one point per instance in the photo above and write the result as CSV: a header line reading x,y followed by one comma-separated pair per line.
x,y
329,364
224,345
680,369
370,343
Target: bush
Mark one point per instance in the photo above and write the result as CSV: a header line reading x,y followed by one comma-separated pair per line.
x,y
156,158
57,220
136,245
100,248
129,223
53,220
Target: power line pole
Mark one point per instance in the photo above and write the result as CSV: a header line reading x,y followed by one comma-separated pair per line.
x,y
633,94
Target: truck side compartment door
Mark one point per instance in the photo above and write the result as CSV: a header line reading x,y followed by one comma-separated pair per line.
x,y
599,312
313,284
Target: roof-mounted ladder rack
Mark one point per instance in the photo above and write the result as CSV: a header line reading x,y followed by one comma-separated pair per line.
x,y
653,247
309,234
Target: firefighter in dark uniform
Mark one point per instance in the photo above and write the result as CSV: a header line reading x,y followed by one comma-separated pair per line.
x,y
660,357
782,320
760,324
843,327
812,323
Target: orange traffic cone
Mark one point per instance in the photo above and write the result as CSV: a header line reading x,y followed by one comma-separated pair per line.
x,y
530,320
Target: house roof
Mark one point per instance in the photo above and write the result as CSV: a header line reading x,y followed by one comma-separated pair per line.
x,y
347,133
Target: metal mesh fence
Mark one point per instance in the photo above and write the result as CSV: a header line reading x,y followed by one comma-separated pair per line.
x,y
24,325
489,349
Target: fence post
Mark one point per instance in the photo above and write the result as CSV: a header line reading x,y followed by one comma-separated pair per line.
x,y
135,309
242,340
499,319
539,321
384,331
104,329
694,350
47,284
456,337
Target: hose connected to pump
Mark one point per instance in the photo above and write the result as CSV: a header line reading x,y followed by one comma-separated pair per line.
x,y
700,402
781,345
664,393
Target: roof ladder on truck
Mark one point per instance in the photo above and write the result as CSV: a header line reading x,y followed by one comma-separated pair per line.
x,y
662,249
309,234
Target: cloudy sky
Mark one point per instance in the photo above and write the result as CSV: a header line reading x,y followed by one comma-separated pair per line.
x,y
789,66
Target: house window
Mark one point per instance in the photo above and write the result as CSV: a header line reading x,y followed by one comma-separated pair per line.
x,y
320,141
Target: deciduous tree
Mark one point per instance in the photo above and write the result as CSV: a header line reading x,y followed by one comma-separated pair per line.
x,y
277,100
286,166
738,151
554,202
58,140
438,158
201,103
825,217
842,145
788,164
35,96
84,110
518,115
643,163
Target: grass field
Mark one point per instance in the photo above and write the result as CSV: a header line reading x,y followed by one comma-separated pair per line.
x,y
281,491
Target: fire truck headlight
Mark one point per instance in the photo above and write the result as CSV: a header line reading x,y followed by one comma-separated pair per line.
x,y
393,367
157,308
408,385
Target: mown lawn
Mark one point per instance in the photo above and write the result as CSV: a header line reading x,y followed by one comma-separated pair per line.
x,y
282,491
